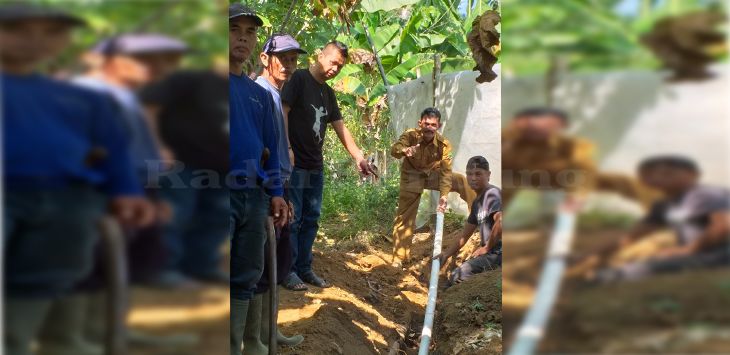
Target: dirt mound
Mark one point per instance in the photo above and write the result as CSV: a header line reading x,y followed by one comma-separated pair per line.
x,y
469,316
366,310
372,306
683,313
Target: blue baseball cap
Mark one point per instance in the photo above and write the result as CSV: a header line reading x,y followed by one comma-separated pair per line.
x,y
280,43
140,43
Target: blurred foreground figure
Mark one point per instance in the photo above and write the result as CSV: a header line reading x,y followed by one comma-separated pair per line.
x,y
538,154
126,63
699,215
191,110
66,162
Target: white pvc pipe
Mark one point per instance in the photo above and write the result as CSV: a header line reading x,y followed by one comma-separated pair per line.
x,y
432,287
533,326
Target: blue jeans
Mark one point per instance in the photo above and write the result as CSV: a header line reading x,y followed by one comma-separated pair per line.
x,y
198,229
249,210
305,193
49,238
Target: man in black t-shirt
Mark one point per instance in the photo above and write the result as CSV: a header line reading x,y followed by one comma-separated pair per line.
x,y
486,214
309,105
191,109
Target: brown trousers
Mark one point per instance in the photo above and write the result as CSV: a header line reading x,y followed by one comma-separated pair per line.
x,y
408,201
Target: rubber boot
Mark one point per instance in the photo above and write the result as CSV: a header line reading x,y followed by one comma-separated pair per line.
x,y
280,338
23,320
252,344
239,311
96,317
64,330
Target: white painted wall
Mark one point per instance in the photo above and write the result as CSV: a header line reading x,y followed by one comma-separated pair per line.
x,y
471,117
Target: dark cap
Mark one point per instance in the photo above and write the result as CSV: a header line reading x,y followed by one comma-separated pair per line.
x,y
670,161
140,43
478,162
280,43
238,10
540,112
17,11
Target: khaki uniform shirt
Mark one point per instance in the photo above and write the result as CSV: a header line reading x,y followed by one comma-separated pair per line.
x,y
430,164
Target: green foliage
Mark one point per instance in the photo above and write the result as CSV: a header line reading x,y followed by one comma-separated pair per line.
x,y
477,306
588,35
350,208
453,221
406,34
198,23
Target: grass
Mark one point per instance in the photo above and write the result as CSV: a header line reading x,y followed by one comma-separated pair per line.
x,y
351,209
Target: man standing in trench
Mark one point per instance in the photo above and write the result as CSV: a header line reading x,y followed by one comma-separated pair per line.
x,y
426,165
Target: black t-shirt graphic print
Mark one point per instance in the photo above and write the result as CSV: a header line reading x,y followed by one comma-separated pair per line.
x,y
312,107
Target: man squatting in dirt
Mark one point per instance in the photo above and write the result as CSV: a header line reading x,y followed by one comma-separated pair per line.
x,y
698,214
426,165
486,214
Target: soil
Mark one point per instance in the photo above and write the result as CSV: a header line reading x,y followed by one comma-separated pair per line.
x,y
372,307
688,312
469,317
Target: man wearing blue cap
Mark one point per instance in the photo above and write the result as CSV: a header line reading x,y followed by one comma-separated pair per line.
x,y
279,58
256,189
66,160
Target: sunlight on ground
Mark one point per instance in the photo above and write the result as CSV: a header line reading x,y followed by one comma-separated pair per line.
x,y
516,295
335,294
214,305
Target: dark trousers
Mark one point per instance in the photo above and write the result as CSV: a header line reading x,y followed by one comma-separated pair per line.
x,y
642,269
283,255
473,266
194,237
249,210
49,238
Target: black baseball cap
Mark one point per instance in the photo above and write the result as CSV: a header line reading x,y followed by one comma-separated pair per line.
x,y
17,11
478,162
280,43
238,10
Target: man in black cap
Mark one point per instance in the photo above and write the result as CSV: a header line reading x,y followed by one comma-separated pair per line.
x,y
279,58
256,189
66,160
486,214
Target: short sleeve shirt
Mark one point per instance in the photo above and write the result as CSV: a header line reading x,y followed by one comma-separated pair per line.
x,y
482,214
690,214
313,106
